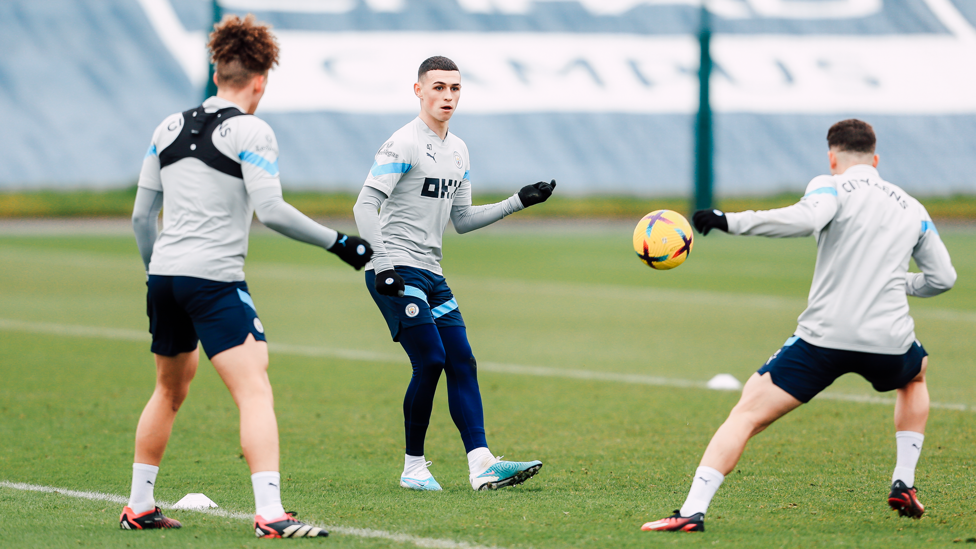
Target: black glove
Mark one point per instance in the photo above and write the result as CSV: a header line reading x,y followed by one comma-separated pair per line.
x,y
353,250
389,283
534,194
706,220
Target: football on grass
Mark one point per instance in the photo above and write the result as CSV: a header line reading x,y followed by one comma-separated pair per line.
x,y
663,239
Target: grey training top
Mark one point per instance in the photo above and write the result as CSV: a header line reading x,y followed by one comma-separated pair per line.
x,y
421,181
867,230
207,213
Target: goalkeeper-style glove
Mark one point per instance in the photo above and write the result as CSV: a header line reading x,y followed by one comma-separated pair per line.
x,y
534,194
353,250
389,283
706,220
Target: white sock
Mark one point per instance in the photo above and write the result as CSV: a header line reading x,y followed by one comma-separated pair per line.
x,y
480,459
143,481
415,467
267,494
703,488
909,444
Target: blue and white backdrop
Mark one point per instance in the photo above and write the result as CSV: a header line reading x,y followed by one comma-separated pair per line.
x,y
599,94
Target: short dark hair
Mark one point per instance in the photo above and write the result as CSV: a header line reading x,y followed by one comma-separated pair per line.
x,y
852,135
241,48
436,63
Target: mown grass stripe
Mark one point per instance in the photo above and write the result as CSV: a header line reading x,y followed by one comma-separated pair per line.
x,y
417,541
494,367
508,286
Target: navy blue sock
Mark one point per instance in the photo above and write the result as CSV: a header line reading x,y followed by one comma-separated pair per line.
x,y
423,345
463,394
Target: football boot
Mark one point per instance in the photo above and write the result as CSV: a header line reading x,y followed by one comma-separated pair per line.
x,y
500,474
677,523
146,521
286,526
422,480
905,500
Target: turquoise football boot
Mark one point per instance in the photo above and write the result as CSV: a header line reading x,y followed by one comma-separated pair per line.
x,y
427,484
505,473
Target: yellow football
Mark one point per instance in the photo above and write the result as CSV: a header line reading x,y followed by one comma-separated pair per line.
x,y
663,239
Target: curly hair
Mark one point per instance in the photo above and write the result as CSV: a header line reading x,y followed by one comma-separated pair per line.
x,y
852,135
240,49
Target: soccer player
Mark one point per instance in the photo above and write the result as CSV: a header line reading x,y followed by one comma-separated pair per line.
x,y
421,180
211,168
856,320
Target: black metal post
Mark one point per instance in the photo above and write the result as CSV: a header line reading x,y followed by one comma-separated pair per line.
x,y
704,141
211,89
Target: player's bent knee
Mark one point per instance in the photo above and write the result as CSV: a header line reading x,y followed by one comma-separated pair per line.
x,y
248,396
755,420
761,405
469,365
176,401
429,363
173,396
434,358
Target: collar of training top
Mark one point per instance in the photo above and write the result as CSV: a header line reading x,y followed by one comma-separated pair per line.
x,y
431,133
214,103
862,168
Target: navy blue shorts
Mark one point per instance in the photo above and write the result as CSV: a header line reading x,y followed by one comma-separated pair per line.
x,y
803,369
426,300
182,309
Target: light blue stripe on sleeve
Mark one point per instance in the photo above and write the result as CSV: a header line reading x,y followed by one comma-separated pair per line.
x,y
378,170
822,190
246,298
151,151
413,291
442,310
260,161
466,172
929,226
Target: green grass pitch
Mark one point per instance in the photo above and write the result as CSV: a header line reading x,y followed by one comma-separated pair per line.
x,y
557,314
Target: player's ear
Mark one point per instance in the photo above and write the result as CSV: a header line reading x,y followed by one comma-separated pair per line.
x,y
875,161
416,89
832,158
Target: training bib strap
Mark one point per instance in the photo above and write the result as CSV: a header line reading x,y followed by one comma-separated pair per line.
x,y
196,141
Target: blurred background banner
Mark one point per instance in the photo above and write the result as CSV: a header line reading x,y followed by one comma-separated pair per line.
x,y
599,94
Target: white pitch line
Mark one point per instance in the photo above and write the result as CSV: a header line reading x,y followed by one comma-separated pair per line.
x,y
418,541
494,367
73,330
96,496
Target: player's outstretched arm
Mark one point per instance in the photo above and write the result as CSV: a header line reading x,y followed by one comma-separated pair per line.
x,y
930,254
284,218
145,212
467,218
811,214
366,211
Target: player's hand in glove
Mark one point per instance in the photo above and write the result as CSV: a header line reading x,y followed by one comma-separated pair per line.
x,y
389,283
534,194
706,220
353,250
